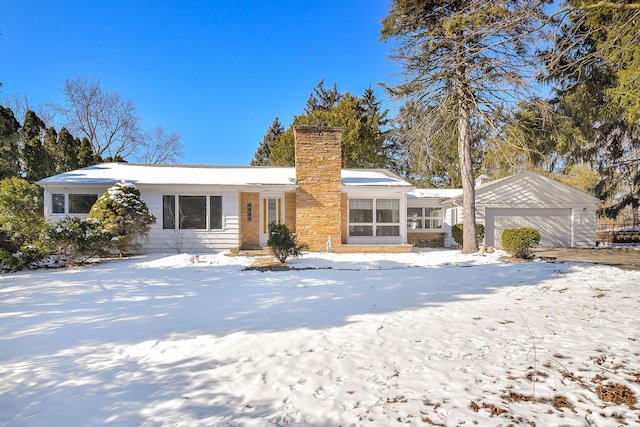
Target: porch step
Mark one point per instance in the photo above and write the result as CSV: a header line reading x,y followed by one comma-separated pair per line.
x,y
386,249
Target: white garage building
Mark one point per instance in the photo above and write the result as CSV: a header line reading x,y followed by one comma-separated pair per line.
x,y
565,217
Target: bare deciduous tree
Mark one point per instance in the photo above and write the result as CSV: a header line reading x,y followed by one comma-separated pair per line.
x,y
159,146
107,120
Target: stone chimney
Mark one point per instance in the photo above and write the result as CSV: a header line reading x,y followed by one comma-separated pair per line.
x,y
318,196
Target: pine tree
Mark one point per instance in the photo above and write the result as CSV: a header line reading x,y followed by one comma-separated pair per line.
x,y
594,66
362,122
466,60
322,99
261,156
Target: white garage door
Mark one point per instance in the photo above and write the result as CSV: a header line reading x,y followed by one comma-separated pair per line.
x,y
554,225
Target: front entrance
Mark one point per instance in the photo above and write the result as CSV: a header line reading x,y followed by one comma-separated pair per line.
x,y
271,210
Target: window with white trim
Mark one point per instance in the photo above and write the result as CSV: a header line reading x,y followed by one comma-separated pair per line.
x,y
424,218
374,217
57,203
81,203
192,212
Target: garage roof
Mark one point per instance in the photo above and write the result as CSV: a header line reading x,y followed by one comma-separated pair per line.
x,y
530,189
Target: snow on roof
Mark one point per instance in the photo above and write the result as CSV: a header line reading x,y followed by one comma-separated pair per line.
x,y
109,173
377,177
435,193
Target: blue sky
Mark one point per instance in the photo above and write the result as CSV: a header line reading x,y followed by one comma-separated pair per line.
x,y
216,72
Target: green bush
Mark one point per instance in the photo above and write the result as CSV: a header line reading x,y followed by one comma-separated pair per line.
x,y
458,232
27,254
22,225
78,239
519,241
124,215
283,242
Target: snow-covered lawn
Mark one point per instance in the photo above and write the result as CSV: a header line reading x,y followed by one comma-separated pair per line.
x,y
429,338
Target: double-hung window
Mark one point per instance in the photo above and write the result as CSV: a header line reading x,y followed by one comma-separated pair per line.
x,y
192,212
374,217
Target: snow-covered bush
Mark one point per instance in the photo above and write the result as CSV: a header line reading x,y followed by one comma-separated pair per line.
x,y
124,215
79,239
283,242
519,241
22,225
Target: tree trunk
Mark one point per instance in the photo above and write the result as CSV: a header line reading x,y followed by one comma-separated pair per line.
x,y
470,243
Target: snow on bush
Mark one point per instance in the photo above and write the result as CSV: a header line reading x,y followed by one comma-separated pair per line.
x,y
123,214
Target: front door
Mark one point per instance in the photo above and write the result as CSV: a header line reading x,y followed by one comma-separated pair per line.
x,y
271,208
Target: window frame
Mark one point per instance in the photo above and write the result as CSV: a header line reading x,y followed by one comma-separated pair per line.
x,y
425,222
210,218
70,203
378,226
56,203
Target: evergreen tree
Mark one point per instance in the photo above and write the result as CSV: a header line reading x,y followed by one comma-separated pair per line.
x,y
465,60
86,157
595,69
32,126
35,160
22,226
69,151
363,122
52,150
261,156
9,151
124,214
322,99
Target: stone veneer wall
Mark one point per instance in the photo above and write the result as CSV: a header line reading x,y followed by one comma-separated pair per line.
x,y
290,211
318,196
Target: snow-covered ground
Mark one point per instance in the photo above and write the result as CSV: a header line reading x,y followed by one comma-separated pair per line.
x,y
429,338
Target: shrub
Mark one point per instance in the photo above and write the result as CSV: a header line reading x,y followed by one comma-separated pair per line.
x,y
78,239
22,225
25,255
519,241
124,215
283,242
458,231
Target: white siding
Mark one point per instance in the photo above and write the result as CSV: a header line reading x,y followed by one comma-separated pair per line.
x,y
178,241
584,226
452,215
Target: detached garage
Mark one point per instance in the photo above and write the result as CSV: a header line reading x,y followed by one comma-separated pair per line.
x,y
565,217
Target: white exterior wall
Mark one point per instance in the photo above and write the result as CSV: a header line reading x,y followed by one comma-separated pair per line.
x,y
169,241
563,215
390,193
583,219
180,241
98,190
452,215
